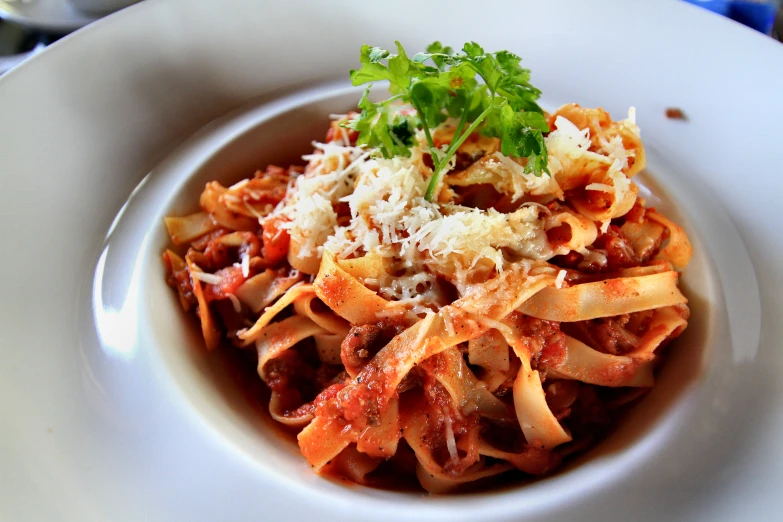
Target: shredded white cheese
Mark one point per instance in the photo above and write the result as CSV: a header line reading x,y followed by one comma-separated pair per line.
x,y
309,202
560,278
448,322
451,442
603,187
568,143
235,302
245,265
421,241
210,279
390,215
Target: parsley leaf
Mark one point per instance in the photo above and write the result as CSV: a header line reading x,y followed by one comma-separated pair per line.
x,y
502,105
435,49
381,128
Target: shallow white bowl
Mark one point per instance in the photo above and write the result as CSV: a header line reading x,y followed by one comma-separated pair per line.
x,y
100,6
111,410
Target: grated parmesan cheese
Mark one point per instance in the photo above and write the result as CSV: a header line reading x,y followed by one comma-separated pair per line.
x,y
390,215
245,265
560,278
210,279
448,322
235,302
569,142
451,441
313,223
310,198
420,241
603,187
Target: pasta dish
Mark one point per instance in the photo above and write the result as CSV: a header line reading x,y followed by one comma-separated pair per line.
x,y
455,286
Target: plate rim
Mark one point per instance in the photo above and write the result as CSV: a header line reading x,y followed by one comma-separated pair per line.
x,y
42,61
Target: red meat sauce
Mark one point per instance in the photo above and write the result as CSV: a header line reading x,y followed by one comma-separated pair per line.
x,y
211,255
180,280
305,385
613,244
357,404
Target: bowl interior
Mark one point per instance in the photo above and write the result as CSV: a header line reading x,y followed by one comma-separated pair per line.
x,y
279,132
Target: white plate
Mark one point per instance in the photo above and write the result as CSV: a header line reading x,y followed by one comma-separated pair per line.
x,y
110,412
50,15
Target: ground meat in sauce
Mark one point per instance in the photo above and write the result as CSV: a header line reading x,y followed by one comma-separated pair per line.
x,y
609,337
545,337
363,342
180,279
619,252
637,212
288,370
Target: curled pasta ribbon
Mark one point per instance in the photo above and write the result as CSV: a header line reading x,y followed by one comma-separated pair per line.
x,y
584,364
255,198
678,251
275,339
534,416
344,294
297,419
209,327
321,315
210,201
531,460
605,298
177,264
603,130
294,293
262,289
667,322
282,335
326,437
593,158
466,392
573,232
185,229
620,202
416,423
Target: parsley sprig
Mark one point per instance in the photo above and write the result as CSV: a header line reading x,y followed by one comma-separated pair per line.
x,y
502,105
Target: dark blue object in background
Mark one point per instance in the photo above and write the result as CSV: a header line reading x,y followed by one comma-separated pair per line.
x,y
757,15
716,6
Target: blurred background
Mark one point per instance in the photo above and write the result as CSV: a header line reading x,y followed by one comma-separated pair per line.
x,y
28,26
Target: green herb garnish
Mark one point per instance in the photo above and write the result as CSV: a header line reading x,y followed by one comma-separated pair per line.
x,y
503,105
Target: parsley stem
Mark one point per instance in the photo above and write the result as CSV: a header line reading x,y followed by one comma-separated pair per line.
x,y
438,173
464,117
433,150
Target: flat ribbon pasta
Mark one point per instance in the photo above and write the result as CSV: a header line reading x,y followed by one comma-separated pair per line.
x,y
344,294
679,250
208,326
187,228
605,298
295,292
326,436
262,289
585,364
